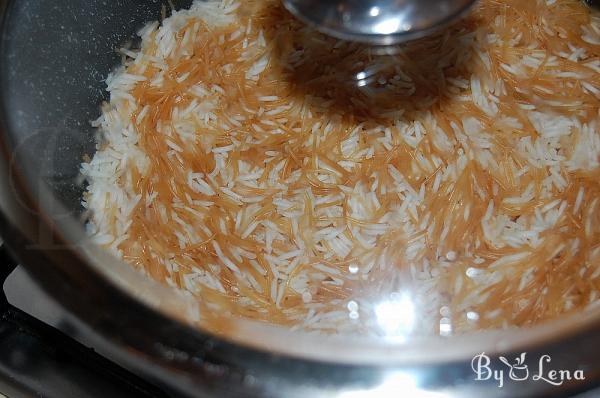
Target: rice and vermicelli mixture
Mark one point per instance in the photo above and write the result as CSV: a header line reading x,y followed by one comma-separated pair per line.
x,y
439,186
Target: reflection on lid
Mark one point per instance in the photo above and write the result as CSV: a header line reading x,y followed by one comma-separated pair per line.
x,y
396,317
393,24
387,26
397,384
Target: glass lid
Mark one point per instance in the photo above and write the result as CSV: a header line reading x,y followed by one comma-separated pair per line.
x,y
273,174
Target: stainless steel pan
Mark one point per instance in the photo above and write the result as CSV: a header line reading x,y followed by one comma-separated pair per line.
x,y
53,59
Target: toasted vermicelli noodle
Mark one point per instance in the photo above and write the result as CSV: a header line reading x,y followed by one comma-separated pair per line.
x,y
285,176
